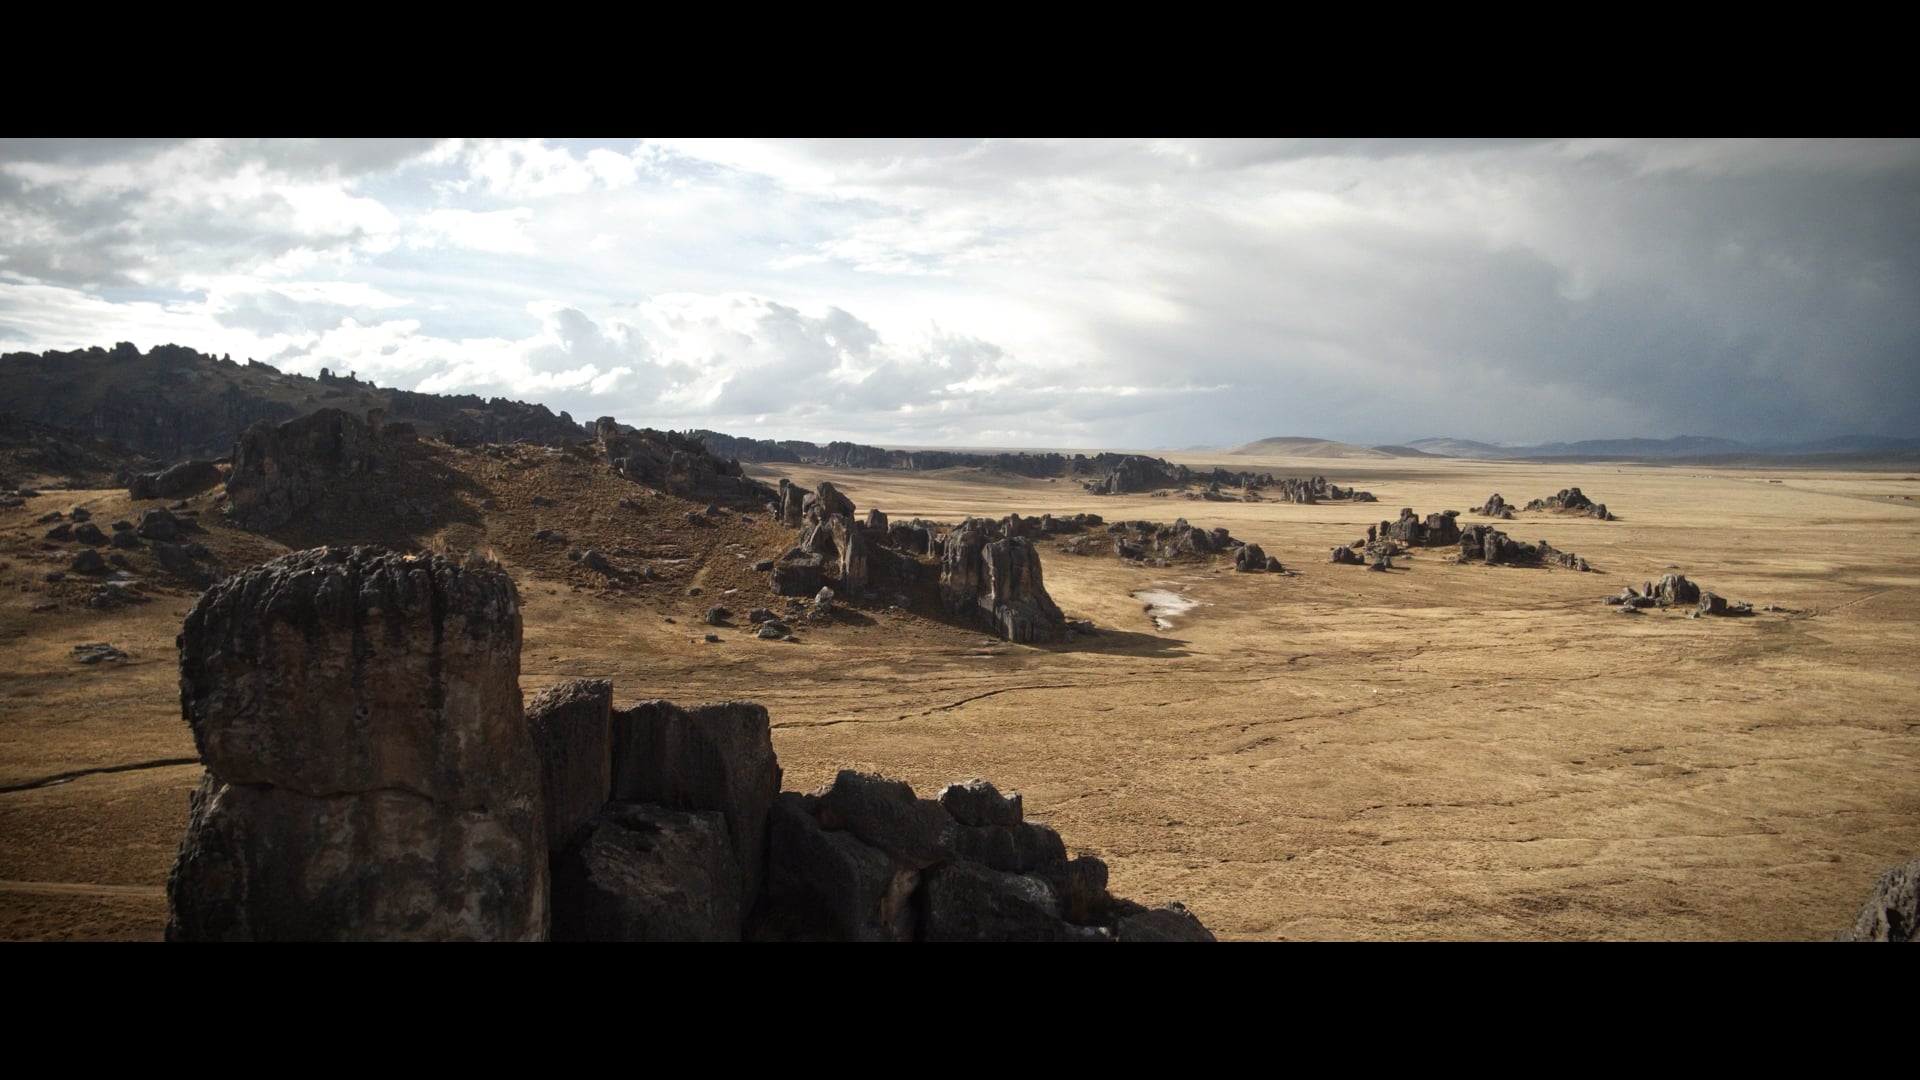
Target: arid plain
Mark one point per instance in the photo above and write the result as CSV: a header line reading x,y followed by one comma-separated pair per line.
x,y
1443,751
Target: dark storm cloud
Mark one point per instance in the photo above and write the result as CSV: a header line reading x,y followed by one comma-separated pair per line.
x,y
1165,292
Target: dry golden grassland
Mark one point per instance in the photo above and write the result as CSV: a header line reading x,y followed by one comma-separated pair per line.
x,y
1443,751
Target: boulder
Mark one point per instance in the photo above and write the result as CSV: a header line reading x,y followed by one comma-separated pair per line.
x,y
281,470
88,533
186,478
1249,558
799,575
571,726
887,816
969,902
1026,848
386,792
158,523
828,885
977,802
645,873
999,582
1674,589
710,757
88,561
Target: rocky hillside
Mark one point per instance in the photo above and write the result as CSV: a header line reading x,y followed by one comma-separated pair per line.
x,y
174,403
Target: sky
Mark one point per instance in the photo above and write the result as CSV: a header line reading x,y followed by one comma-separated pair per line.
x,y
1137,294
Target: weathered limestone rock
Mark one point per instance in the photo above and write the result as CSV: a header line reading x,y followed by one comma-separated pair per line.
x,y
1892,913
885,815
1496,507
969,902
1249,558
977,802
158,524
1674,589
710,757
798,573
571,725
829,886
1346,556
999,581
645,873
824,502
1171,923
1026,848
369,773
186,478
281,470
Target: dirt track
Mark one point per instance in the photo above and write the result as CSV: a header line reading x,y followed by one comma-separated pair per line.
x,y
1445,751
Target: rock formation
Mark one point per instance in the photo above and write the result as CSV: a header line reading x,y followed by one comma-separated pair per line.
x,y
369,773
676,463
1487,544
186,478
279,471
1496,507
1892,913
1674,590
1570,500
1438,530
998,580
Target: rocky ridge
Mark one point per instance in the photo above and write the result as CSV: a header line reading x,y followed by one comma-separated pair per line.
x,y
426,803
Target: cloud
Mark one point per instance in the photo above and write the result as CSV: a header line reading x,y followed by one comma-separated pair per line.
x,y
1079,292
502,231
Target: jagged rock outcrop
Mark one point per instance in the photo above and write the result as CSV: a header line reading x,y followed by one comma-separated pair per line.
x,y
1178,541
369,773
279,471
1438,530
710,757
421,804
1570,500
641,872
676,463
186,478
1493,547
174,402
999,582
571,725
1892,913
1496,507
1249,557
1674,590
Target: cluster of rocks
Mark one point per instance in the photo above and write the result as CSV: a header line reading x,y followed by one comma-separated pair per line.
x,y
986,570
404,793
1496,507
1674,590
282,471
1316,489
1493,547
1567,500
993,574
675,463
1157,544
1377,549
1570,500
159,527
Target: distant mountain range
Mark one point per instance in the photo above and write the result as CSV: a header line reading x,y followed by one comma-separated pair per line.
x,y
1682,446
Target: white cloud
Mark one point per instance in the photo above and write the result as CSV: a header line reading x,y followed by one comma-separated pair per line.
x,y
503,231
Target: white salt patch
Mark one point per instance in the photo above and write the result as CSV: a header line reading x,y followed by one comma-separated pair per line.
x,y
1162,605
